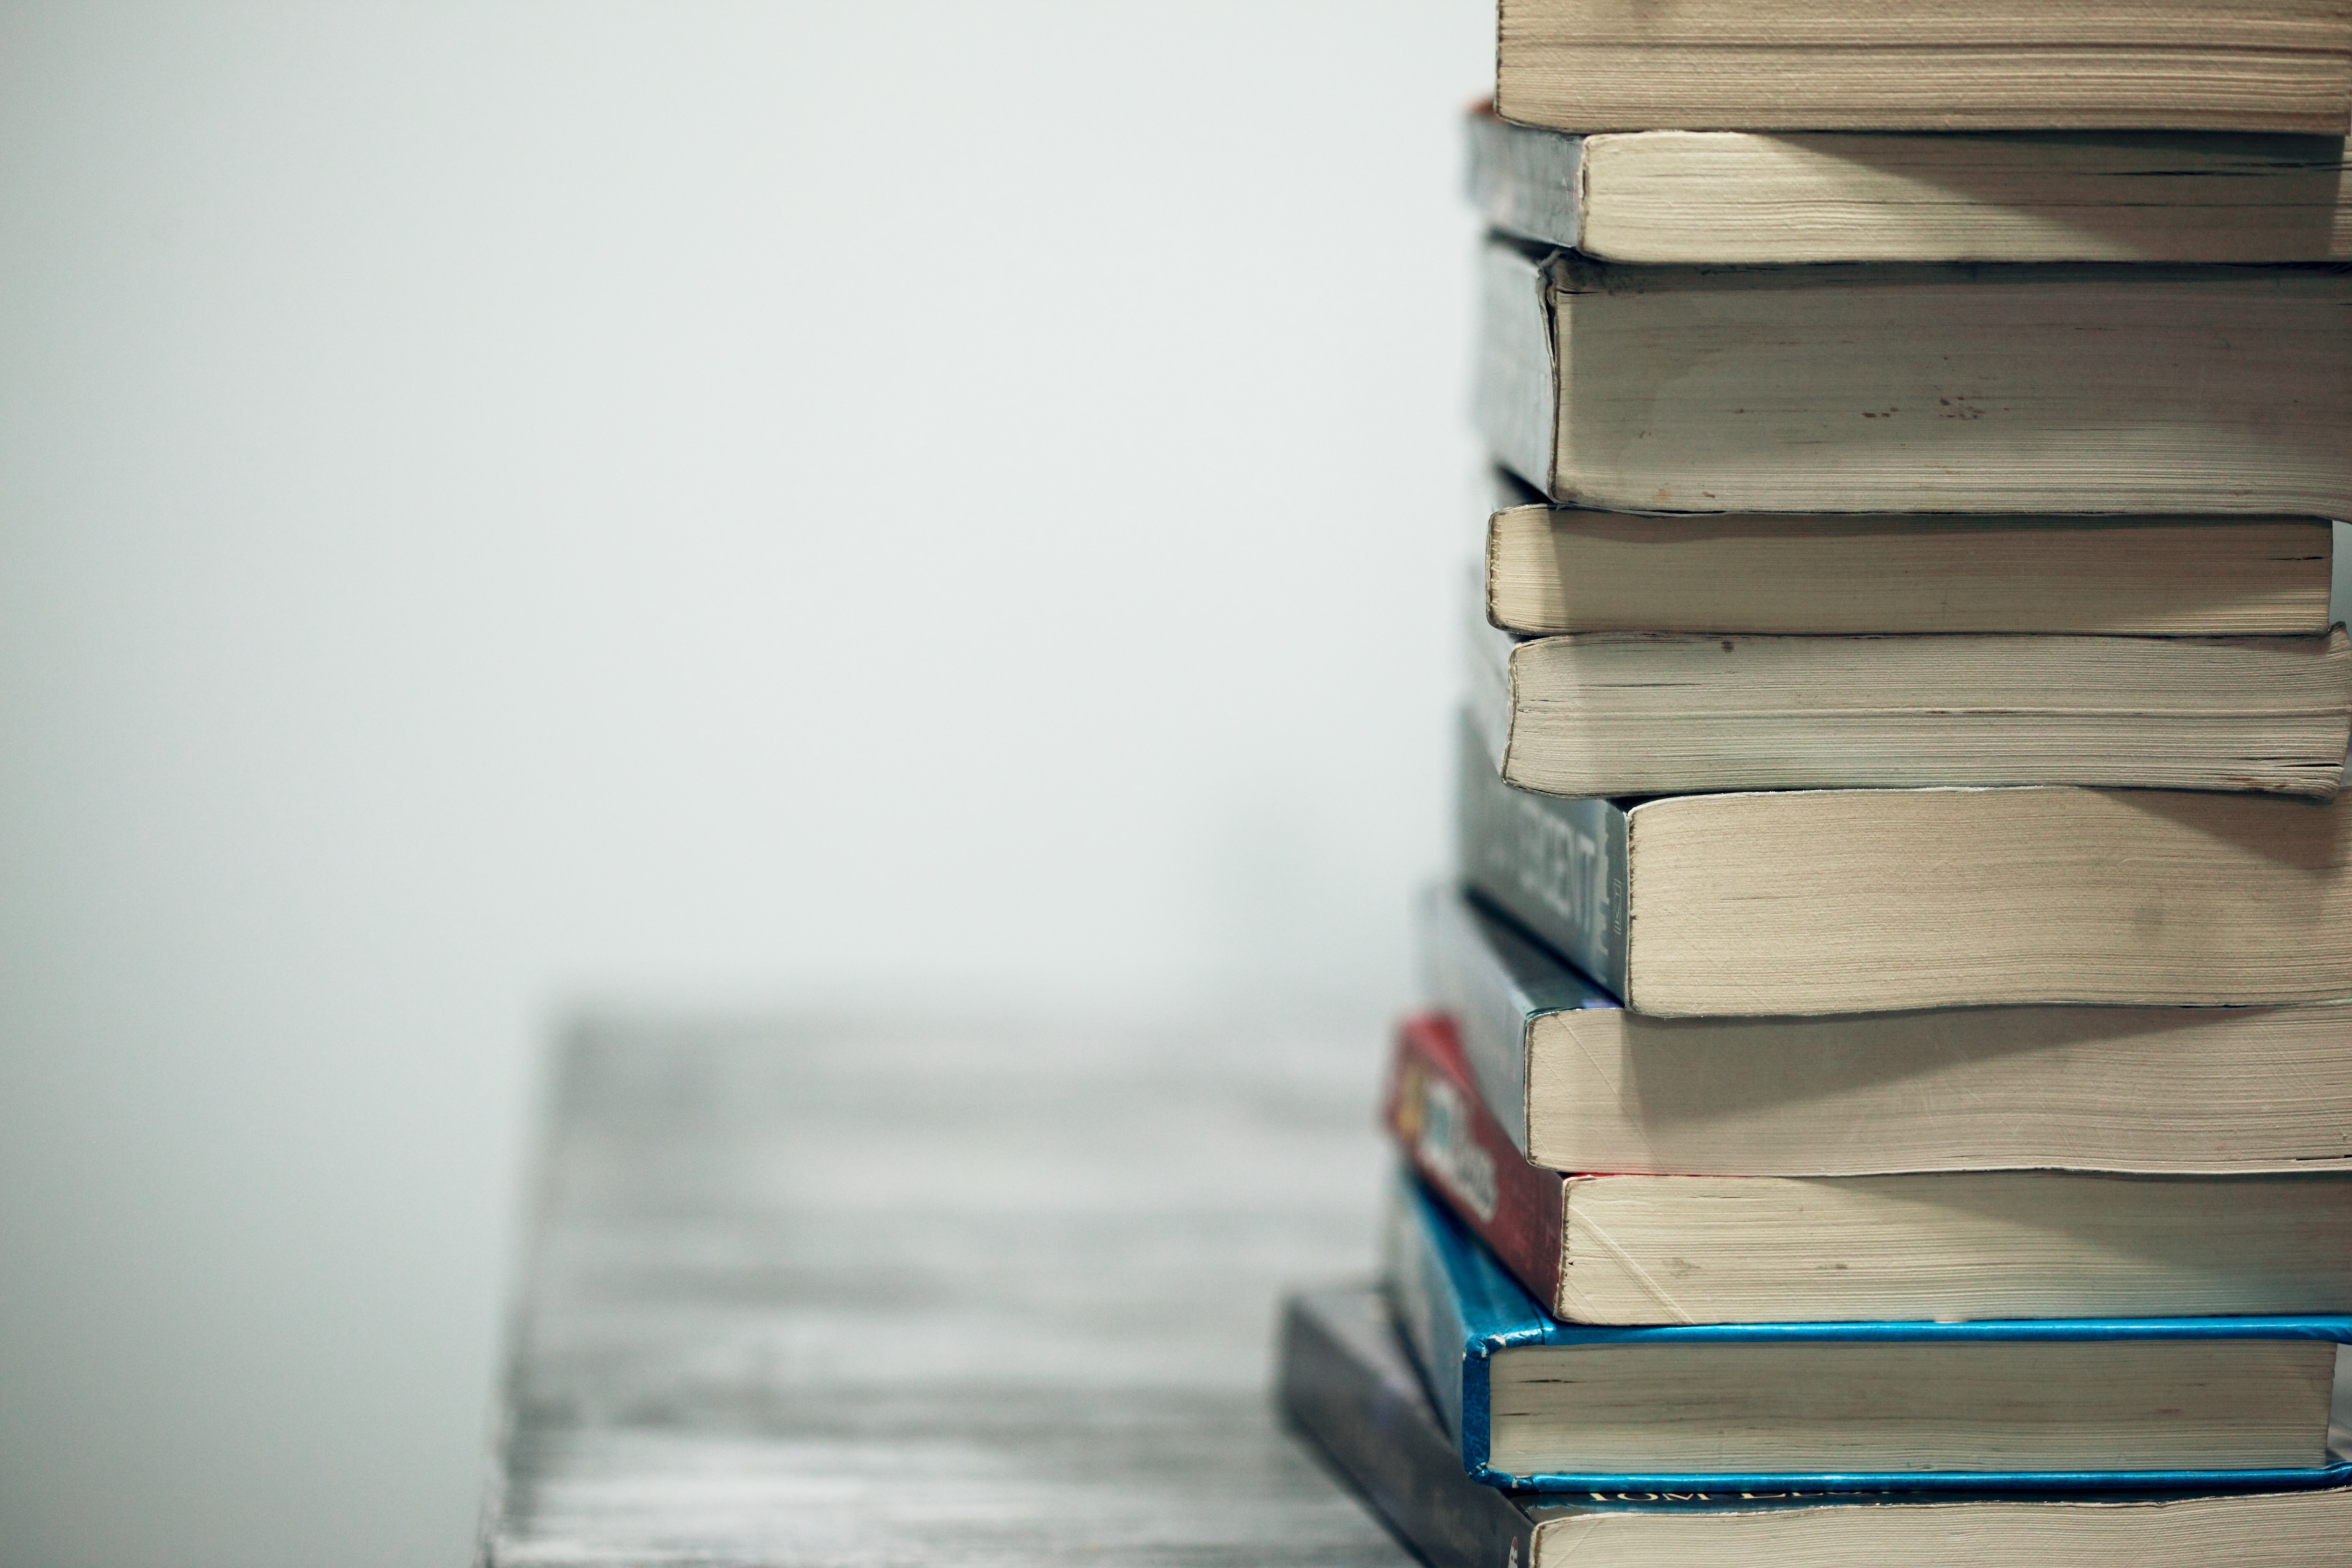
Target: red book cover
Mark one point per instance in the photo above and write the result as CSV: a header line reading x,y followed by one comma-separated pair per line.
x,y
1468,1159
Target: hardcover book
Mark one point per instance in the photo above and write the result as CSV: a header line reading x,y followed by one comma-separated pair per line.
x,y
1715,1248
1925,65
2025,1405
1344,1385
1740,198
1575,1082
1907,387
1804,901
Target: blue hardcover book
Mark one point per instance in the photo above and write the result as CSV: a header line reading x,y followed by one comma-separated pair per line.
x,y
1345,1386
2043,1406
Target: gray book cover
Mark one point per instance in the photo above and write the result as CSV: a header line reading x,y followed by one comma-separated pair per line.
x,y
1555,864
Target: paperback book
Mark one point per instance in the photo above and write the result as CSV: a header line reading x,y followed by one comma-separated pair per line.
x,y
1654,712
1950,1245
1553,571
1575,1082
2145,390
1758,903
1740,198
1934,65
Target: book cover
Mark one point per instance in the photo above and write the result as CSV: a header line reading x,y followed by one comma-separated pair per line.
x,y
1446,1129
1556,864
1493,983
1341,1383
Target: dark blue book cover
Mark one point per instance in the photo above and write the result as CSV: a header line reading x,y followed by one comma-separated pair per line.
x,y
1458,1310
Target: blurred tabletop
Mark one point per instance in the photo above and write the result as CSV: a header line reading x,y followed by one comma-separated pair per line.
x,y
819,1293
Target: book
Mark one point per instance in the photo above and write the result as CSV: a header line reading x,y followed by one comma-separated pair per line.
x,y
1736,197
1925,64
1638,713
1345,1386
1556,570
1918,387
1729,1249
1576,1082
1805,901
2056,1405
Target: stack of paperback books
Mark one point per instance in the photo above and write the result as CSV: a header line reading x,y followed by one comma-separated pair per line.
x,y
1887,1094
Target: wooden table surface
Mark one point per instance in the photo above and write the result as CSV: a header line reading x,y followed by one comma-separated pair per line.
x,y
825,1293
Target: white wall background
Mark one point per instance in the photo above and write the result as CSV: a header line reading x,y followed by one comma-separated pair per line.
x,y
507,504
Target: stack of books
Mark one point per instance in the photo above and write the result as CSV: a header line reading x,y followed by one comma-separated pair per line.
x,y
1887,1090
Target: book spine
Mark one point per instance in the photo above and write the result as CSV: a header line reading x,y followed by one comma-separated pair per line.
x,y
1516,388
1528,182
1555,864
1428,1312
1354,1399
1463,980
1461,1150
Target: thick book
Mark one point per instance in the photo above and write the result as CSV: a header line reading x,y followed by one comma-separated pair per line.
x,y
1552,571
1657,712
1804,901
1740,198
2016,1404
1344,1384
1576,1082
1925,65
1725,1248
1918,387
